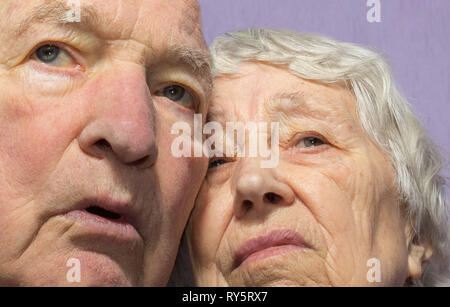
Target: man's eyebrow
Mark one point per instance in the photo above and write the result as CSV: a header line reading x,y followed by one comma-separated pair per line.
x,y
56,12
198,60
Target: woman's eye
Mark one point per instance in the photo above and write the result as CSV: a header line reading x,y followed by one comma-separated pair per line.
x,y
54,56
178,94
310,142
217,162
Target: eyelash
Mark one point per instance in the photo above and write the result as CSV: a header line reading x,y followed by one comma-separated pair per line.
x,y
65,48
212,160
309,134
187,88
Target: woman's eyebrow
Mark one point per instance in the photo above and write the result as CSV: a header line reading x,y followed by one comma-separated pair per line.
x,y
294,107
293,104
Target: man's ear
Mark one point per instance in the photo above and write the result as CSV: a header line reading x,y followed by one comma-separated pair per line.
x,y
418,253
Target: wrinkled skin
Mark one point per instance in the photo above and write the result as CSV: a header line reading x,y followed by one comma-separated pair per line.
x,y
95,124
337,194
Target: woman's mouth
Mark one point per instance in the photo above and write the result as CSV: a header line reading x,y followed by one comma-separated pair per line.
x,y
271,244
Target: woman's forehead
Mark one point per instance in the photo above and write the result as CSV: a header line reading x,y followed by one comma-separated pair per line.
x,y
259,90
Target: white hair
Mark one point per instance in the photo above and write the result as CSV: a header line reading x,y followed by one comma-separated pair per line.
x,y
384,114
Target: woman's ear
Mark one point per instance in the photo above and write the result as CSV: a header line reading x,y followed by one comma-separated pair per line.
x,y
417,259
419,252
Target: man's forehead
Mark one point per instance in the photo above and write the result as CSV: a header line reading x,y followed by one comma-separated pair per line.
x,y
137,18
157,24
191,20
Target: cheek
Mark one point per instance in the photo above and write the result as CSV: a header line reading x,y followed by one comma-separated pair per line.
x,y
353,204
320,190
209,221
339,237
34,136
36,81
179,178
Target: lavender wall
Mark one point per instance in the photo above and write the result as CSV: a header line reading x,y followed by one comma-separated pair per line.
x,y
414,35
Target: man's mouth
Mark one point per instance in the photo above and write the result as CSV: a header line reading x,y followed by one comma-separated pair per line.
x,y
106,217
103,213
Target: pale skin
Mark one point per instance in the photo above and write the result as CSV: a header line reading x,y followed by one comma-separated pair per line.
x,y
85,114
333,185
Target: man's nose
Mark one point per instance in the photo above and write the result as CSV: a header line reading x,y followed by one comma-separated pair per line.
x,y
259,190
121,119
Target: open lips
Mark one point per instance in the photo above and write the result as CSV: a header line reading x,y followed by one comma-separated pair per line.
x,y
103,213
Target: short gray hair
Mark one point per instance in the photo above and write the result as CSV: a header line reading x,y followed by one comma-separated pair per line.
x,y
384,113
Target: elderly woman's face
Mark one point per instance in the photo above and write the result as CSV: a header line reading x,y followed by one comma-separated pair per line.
x,y
320,215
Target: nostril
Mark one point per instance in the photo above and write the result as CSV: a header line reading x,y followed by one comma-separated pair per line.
x,y
139,162
272,198
103,144
247,205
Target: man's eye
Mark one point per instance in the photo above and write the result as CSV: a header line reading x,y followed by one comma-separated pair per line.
x,y
178,94
310,142
217,162
53,55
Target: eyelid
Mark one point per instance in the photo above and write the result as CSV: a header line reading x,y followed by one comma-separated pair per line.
x,y
228,160
165,75
308,134
71,51
188,89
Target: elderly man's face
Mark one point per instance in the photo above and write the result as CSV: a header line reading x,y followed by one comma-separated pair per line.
x,y
85,115
319,216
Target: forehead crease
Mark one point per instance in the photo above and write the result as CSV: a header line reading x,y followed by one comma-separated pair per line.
x,y
56,11
10,8
289,107
295,103
49,11
191,22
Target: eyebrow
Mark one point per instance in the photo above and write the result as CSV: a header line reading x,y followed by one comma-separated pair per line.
x,y
292,104
279,106
55,12
197,59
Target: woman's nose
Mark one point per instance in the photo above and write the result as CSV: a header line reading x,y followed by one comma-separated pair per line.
x,y
258,190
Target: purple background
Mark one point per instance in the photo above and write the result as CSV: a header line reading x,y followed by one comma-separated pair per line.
x,y
414,36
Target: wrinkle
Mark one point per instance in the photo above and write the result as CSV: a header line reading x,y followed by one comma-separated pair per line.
x,y
31,240
136,22
330,268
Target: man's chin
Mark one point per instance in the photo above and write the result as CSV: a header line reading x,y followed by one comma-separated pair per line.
x,y
79,269
86,268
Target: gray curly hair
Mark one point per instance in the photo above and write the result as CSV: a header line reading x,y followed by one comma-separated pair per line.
x,y
384,113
